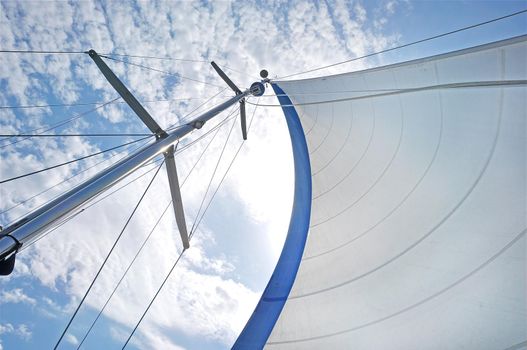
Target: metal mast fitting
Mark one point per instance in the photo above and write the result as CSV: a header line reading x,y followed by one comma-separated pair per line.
x,y
264,74
175,192
147,119
257,90
17,236
127,95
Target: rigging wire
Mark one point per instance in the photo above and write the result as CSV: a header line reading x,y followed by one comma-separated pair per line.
x,y
181,149
91,202
73,135
168,58
173,126
161,71
407,44
183,251
43,52
180,255
57,105
155,57
155,296
65,121
240,73
108,255
53,105
314,93
230,116
69,178
189,114
71,161
143,245
228,168
130,182
108,55
213,174
464,85
60,123
215,127
124,275
99,200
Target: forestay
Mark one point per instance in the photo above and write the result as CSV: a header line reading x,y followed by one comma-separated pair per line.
x,y
418,218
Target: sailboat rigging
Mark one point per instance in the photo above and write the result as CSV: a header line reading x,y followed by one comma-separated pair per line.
x,y
23,232
408,216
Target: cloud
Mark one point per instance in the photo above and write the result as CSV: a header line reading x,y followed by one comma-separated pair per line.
x,y
152,339
70,338
6,328
208,295
22,330
16,296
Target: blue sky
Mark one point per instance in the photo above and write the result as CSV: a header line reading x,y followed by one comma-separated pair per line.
x,y
215,288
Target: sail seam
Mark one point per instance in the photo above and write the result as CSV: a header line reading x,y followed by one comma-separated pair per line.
x,y
462,85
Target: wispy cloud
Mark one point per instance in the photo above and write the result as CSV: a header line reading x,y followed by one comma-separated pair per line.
x,y
22,331
16,295
209,295
70,338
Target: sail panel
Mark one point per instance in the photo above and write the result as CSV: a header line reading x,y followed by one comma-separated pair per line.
x,y
418,214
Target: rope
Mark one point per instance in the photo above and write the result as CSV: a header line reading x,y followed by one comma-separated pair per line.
x,y
408,44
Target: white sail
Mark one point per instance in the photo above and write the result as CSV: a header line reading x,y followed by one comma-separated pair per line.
x,y
418,215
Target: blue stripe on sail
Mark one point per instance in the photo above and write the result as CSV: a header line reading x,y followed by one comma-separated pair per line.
x,y
263,319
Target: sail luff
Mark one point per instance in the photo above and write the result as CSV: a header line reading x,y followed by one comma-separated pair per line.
x,y
263,318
